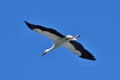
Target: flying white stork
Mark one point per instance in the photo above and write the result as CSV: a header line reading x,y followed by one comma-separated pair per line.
x,y
61,40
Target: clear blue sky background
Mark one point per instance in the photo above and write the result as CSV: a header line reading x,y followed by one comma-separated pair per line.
x,y
97,21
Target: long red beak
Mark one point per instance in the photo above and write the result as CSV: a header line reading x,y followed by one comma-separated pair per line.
x,y
42,54
77,36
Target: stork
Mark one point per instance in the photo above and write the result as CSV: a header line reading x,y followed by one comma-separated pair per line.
x,y
61,40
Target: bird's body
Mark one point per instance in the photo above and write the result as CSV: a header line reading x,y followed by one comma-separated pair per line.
x,y
61,40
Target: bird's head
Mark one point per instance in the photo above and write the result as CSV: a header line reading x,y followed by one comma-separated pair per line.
x,y
71,38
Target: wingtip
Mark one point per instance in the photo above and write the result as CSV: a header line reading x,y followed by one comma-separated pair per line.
x,y
29,25
26,22
93,59
88,55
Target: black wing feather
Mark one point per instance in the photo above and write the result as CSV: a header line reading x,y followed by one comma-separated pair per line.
x,y
32,26
85,53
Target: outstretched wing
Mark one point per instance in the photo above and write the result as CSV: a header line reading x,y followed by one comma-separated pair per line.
x,y
50,33
79,50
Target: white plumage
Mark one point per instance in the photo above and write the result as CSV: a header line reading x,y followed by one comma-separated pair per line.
x,y
61,40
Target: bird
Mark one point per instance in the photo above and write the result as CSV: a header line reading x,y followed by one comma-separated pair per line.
x,y
59,39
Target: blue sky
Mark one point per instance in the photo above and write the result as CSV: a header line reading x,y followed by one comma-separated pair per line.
x,y
97,21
